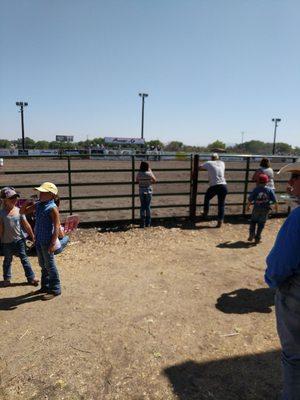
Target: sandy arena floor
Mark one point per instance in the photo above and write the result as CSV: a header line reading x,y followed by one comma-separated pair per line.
x,y
158,314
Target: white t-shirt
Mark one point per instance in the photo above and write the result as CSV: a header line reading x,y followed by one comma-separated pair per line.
x,y
270,173
216,170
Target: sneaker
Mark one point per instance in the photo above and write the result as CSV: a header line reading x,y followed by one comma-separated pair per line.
x,y
49,296
5,283
34,282
257,240
219,224
250,238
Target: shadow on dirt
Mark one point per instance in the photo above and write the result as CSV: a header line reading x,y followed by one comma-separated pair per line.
x,y
11,303
167,222
253,377
244,301
2,284
240,244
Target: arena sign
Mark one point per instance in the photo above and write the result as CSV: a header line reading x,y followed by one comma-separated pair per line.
x,y
64,138
120,140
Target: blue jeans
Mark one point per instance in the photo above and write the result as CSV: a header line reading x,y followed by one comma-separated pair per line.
x,y
221,192
287,307
259,217
50,278
18,249
63,243
145,211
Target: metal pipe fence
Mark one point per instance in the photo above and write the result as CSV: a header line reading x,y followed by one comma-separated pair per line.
x,y
189,187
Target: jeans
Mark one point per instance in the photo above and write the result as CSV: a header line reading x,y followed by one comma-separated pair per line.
x,y
50,278
145,211
259,218
63,243
216,190
18,249
287,307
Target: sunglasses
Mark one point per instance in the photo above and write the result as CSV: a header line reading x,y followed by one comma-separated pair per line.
x,y
295,176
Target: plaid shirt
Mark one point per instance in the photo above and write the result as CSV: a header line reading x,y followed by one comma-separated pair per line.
x,y
44,225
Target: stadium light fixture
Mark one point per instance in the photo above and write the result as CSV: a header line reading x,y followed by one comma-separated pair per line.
x,y
143,95
275,120
22,104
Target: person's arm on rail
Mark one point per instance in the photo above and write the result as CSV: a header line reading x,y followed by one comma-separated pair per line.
x,y
153,178
283,260
202,167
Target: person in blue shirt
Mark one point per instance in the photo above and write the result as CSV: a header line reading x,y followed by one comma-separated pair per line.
x,y
261,197
47,228
283,273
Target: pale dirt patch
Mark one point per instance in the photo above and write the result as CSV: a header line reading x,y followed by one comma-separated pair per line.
x,y
137,319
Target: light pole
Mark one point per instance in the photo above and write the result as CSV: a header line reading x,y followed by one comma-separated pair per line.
x,y
143,95
275,120
22,104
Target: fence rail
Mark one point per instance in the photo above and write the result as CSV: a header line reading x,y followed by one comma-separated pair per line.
x,y
192,185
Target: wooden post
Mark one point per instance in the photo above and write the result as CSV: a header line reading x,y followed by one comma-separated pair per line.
x,y
194,187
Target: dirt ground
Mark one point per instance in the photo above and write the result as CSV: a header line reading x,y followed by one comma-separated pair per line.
x,y
164,313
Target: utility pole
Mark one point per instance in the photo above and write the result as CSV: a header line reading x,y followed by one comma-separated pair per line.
x,y
275,120
22,104
143,95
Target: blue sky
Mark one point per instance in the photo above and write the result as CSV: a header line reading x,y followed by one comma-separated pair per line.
x,y
212,68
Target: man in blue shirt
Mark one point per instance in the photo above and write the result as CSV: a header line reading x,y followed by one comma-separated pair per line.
x,y
283,273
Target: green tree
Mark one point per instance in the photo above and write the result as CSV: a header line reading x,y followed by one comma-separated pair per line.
x,y
29,143
4,144
42,144
297,151
174,146
217,144
98,140
155,143
283,148
257,147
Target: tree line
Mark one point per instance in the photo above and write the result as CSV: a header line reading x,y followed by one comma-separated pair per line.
x,y
250,147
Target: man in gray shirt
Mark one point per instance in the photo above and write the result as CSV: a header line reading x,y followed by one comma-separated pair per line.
x,y
217,185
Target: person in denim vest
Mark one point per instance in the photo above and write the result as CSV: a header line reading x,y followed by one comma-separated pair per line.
x,y
145,178
261,197
47,226
13,242
283,273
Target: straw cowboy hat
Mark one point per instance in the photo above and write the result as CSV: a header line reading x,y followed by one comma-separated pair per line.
x,y
293,167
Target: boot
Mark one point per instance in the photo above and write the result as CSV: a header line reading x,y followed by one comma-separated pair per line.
x,y
219,224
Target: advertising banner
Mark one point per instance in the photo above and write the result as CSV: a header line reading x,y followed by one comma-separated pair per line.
x,y
48,152
120,140
8,152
